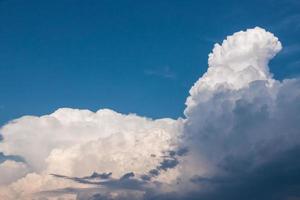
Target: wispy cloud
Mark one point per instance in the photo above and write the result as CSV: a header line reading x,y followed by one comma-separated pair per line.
x,y
290,50
295,63
164,72
289,22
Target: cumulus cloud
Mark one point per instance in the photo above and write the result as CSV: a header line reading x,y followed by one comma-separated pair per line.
x,y
78,142
240,134
244,109
239,120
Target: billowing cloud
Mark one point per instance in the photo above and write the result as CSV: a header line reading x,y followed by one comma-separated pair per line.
x,y
79,142
241,123
239,140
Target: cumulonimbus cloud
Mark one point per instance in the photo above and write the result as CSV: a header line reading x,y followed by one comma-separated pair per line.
x,y
240,132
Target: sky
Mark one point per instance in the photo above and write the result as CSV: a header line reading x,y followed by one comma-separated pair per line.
x,y
136,100
132,56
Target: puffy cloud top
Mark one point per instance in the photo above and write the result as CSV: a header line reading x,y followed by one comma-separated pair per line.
x,y
241,59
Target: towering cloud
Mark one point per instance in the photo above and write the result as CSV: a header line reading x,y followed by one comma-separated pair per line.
x,y
241,59
239,135
240,123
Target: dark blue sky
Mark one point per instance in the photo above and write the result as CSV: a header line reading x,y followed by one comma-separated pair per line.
x,y
131,56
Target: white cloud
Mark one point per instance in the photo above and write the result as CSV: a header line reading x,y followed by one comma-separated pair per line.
x,y
241,59
78,142
237,118
11,171
70,136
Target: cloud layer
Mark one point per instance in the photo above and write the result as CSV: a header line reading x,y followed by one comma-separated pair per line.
x,y
240,134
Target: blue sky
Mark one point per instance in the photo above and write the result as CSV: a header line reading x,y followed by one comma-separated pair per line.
x,y
130,56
